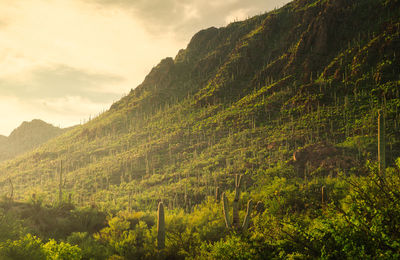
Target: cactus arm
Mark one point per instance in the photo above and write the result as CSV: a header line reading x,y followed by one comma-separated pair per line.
x,y
60,196
238,180
235,206
226,212
235,214
381,143
247,217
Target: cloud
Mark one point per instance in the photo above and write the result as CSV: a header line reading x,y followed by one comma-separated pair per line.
x,y
3,23
187,17
62,81
72,32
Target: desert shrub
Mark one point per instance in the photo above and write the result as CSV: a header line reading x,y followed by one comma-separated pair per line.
x,y
91,249
62,251
10,227
136,243
28,247
233,247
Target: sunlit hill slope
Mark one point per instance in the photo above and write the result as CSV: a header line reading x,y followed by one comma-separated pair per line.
x,y
298,88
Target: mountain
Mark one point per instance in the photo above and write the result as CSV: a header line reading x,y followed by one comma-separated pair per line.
x,y
26,137
3,139
293,93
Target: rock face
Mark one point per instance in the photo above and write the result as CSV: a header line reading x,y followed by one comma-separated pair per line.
x,y
26,137
321,156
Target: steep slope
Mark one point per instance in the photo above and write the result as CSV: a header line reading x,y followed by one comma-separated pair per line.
x,y
26,137
307,79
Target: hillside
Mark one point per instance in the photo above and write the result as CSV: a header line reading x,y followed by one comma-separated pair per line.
x,y
292,100
307,78
26,137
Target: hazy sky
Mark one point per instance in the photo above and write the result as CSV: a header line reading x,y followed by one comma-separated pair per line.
x,y
65,60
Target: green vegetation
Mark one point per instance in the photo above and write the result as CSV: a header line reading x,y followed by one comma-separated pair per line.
x,y
302,102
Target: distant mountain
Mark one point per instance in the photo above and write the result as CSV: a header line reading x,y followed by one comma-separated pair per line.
x,y
26,137
292,93
3,139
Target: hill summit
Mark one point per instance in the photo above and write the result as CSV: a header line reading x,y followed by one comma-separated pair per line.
x,y
26,137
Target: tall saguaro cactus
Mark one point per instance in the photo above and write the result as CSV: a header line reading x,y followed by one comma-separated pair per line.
x,y
60,184
235,205
381,143
235,209
217,194
11,189
160,226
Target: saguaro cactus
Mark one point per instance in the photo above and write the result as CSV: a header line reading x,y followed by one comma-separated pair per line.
x,y
235,209
60,195
235,205
381,143
217,194
160,226
11,189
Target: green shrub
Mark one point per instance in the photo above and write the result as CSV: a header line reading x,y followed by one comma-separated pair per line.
x,y
136,243
62,251
10,227
91,249
28,247
233,247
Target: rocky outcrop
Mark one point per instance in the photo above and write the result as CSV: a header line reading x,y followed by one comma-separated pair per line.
x,y
321,156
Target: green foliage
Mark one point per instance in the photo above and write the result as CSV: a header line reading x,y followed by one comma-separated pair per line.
x,y
368,225
91,249
57,221
233,247
365,224
62,251
31,247
206,220
183,240
10,227
135,243
28,247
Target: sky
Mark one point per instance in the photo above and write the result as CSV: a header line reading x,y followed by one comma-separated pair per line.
x,y
64,61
